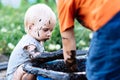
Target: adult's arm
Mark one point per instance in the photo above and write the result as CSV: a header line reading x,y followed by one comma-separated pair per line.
x,y
69,48
66,16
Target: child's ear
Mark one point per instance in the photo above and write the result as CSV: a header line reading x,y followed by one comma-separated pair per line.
x,y
30,26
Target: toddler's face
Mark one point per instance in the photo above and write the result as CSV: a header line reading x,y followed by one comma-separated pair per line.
x,y
45,33
41,33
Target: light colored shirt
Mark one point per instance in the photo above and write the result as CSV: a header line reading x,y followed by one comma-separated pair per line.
x,y
20,56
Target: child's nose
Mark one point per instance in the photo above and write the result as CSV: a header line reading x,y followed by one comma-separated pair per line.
x,y
49,33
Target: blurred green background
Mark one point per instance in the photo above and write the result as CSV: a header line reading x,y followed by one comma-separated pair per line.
x,y
12,27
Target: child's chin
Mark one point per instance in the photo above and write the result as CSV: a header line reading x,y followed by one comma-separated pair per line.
x,y
47,38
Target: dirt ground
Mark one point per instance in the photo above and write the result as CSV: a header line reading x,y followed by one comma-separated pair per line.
x,y
3,58
2,75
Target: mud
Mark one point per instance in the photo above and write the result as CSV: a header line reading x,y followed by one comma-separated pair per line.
x,y
59,65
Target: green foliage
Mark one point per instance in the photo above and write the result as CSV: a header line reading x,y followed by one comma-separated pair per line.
x,y
12,28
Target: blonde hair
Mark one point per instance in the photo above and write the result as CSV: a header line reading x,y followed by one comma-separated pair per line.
x,y
39,13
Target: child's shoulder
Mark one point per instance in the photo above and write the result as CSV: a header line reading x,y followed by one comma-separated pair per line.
x,y
27,40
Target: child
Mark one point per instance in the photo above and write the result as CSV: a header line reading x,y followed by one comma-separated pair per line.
x,y
39,22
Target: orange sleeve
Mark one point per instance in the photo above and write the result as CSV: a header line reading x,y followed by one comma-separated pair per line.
x,y
65,14
93,14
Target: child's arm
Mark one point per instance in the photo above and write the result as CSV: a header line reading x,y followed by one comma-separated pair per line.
x,y
41,57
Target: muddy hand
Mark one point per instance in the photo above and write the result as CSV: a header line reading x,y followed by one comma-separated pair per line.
x,y
71,61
